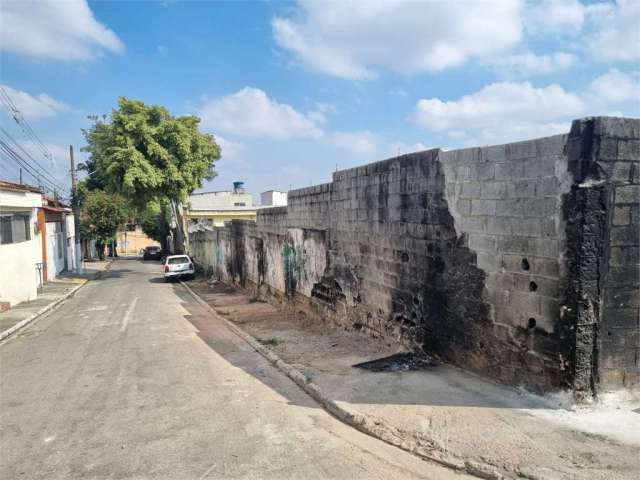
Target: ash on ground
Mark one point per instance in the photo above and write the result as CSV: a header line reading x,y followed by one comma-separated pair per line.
x,y
400,362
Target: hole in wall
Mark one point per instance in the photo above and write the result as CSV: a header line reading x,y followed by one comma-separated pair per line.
x,y
525,265
531,326
609,333
533,286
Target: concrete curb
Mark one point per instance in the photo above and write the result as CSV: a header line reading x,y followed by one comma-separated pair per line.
x,y
370,425
47,308
40,312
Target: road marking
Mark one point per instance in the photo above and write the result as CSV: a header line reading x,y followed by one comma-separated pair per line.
x,y
125,320
204,475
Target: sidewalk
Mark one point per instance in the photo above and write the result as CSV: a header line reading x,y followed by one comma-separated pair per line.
x,y
53,292
440,412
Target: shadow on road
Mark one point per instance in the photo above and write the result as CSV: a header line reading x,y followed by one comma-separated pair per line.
x,y
226,345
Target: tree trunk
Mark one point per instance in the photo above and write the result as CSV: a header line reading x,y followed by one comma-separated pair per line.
x,y
100,249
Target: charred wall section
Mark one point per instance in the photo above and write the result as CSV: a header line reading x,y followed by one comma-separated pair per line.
x,y
518,261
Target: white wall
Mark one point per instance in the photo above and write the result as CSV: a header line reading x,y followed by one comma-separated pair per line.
x,y
55,255
70,241
273,198
18,273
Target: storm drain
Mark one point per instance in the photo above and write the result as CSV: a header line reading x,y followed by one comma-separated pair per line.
x,y
400,362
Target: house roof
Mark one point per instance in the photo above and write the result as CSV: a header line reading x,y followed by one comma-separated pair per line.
x,y
18,187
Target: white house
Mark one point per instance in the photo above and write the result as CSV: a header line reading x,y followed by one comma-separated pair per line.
x,y
21,247
60,238
273,198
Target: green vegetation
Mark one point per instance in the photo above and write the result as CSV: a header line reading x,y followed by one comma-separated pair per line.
x,y
152,159
101,215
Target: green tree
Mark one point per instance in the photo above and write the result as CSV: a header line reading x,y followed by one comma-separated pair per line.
x,y
147,155
101,215
155,222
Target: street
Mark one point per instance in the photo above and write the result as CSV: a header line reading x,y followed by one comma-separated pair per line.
x,y
131,378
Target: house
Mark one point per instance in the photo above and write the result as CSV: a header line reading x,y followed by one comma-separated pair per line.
x,y
21,243
60,237
214,208
273,198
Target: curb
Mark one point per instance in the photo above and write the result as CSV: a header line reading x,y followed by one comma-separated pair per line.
x,y
370,425
47,308
40,312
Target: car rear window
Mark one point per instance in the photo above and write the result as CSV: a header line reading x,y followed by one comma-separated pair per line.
x,y
173,261
153,249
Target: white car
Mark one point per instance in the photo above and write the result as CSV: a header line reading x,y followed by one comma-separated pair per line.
x,y
177,266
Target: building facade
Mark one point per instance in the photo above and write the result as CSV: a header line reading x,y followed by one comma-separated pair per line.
x,y
21,243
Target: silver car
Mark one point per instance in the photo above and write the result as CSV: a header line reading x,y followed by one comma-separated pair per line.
x,y
178,266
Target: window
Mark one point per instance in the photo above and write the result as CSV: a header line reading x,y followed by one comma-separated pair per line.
x,y
15,228
178,260
239,204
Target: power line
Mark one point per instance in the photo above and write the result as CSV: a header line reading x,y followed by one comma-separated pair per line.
x,y
18,117
11,154
44,171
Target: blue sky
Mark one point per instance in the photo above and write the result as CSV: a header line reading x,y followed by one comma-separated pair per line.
x,y
293,89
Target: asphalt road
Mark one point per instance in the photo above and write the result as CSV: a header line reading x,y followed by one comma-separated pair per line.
x,y
132,379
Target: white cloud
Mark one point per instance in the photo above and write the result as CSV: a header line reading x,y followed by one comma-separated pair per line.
x,y
555,16
510,111
64,30
531,64
250,112
231,151
617,32
35,107
615,87
354,39
497,105
361,142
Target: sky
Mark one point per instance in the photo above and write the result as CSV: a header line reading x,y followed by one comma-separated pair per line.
x,y
293,91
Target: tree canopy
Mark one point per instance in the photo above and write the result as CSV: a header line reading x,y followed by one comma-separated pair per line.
x,y
102,214
145,154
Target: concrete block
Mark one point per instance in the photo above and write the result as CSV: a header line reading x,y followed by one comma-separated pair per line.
x,y
470,190
482,171
509,208
482,243
617,127
522,189
464,207
494,190
489,262
540,167
551,145
540,207
608,148
622,216
498,226
509,170
627,194
622,256
547,247
526,227
548,227
525,302
483,207
474,224
493,153
626,235
629,150
548,186
520,150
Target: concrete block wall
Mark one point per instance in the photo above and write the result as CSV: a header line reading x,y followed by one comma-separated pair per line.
x,y
517,261
617,154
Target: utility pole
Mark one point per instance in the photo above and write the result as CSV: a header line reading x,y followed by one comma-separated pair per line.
x,y
75,204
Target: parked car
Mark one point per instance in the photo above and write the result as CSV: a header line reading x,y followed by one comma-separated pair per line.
x,y
178,266
152,253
